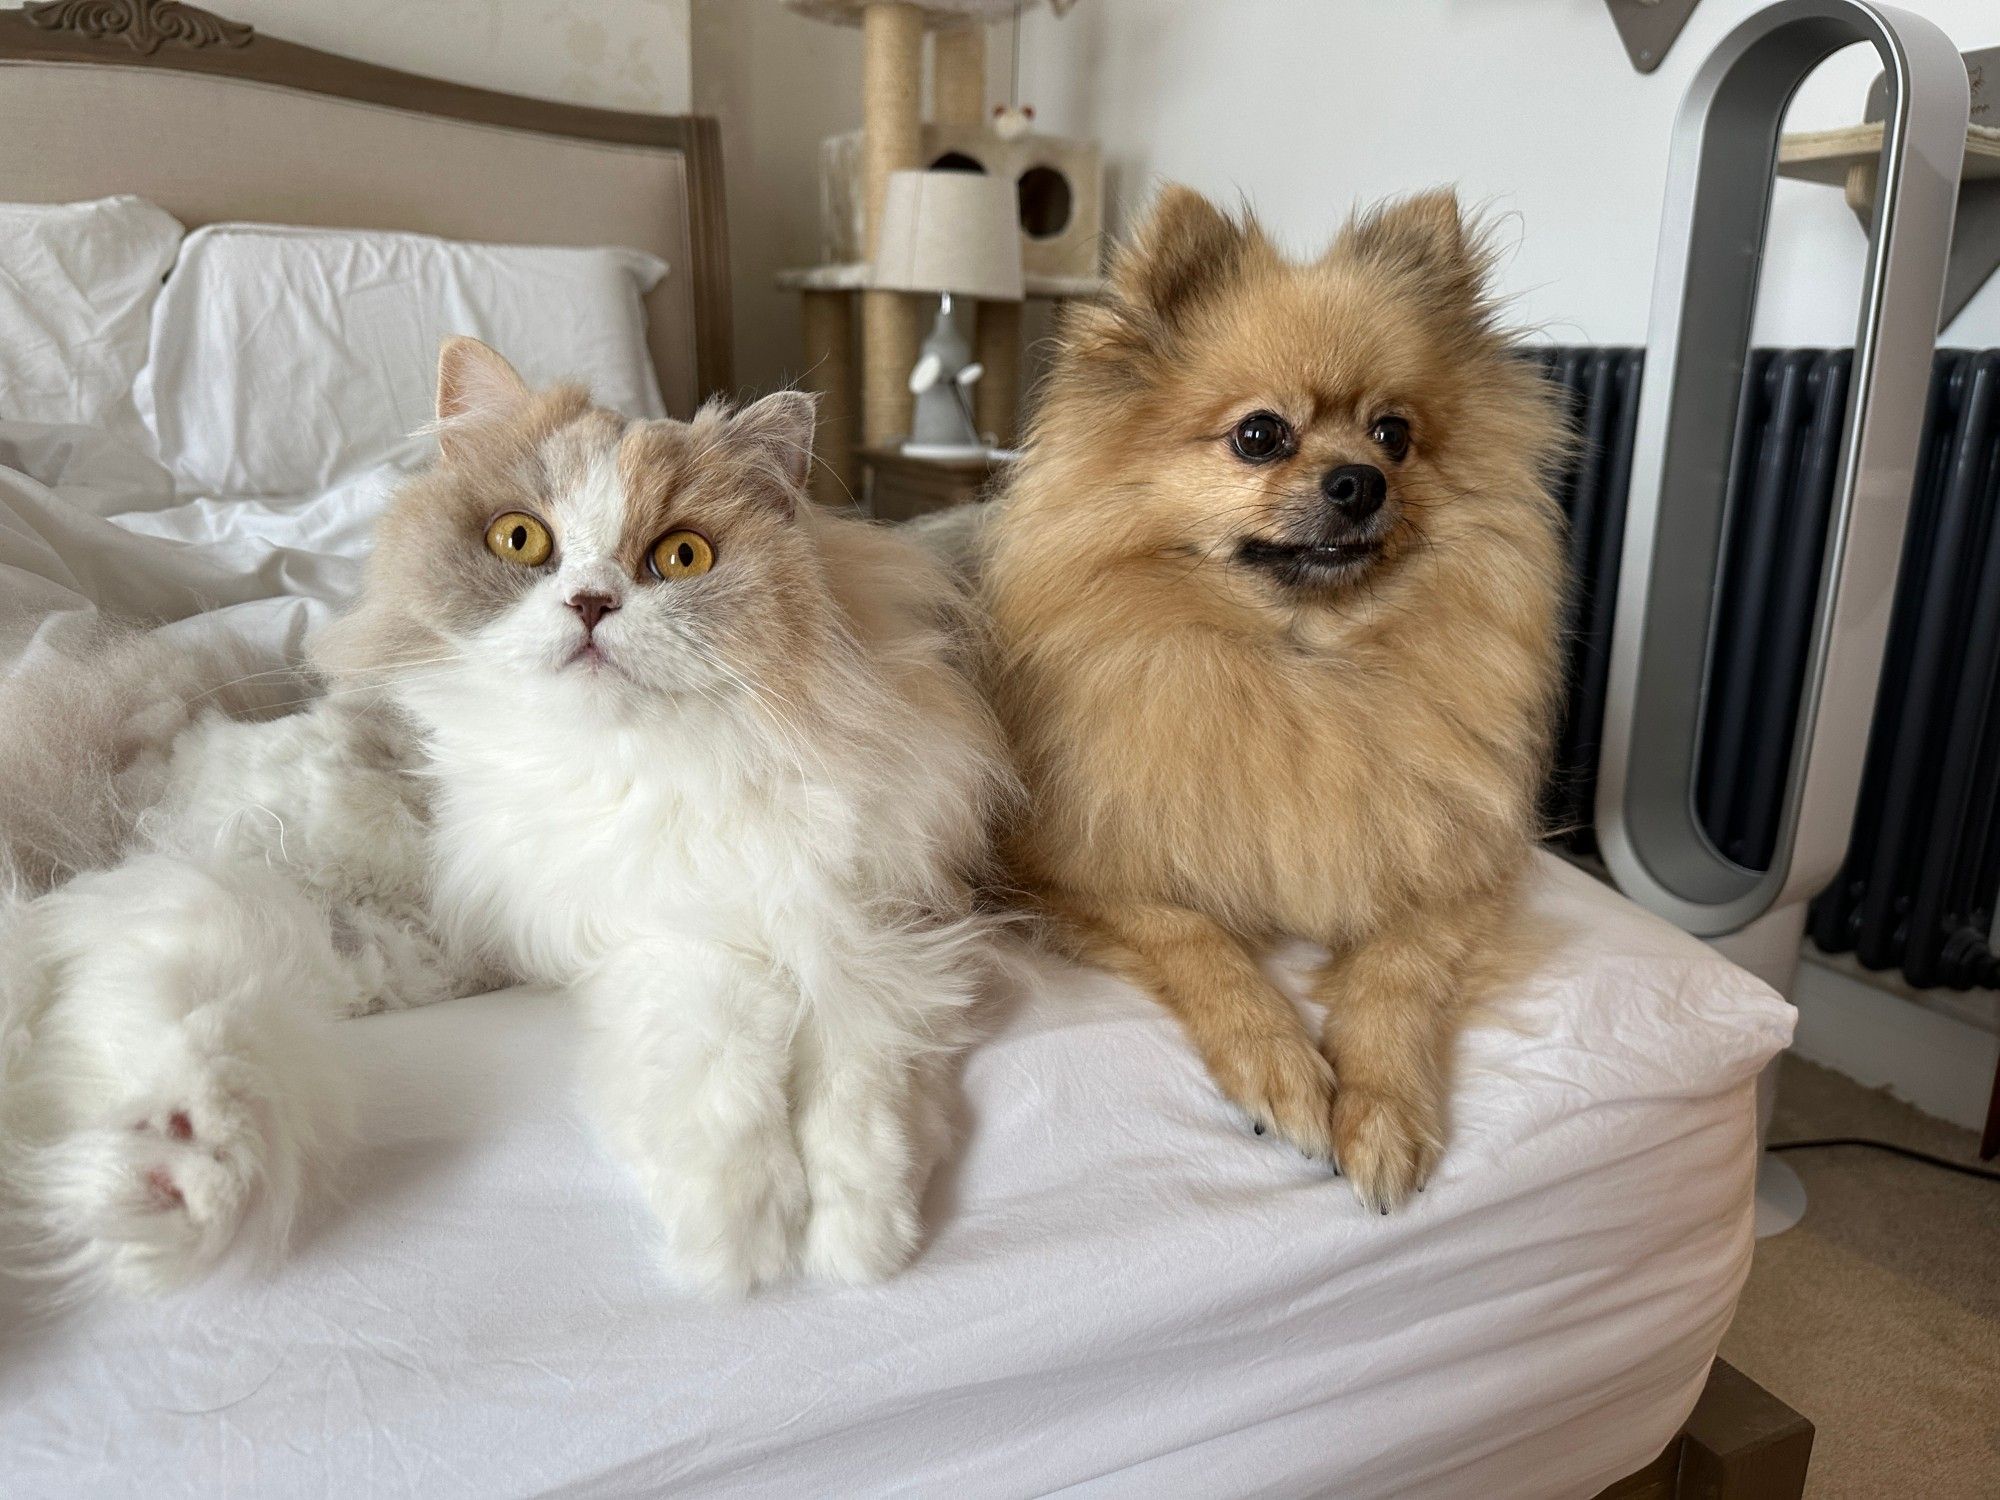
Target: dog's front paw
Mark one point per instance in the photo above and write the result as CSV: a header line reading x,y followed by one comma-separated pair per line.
x,y
734,1227
1385,1147
1284,1085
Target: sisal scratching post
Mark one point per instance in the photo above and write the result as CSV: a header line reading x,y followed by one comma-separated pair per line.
x,y
827,322
892,60
892,126
892,329
997,397
958,75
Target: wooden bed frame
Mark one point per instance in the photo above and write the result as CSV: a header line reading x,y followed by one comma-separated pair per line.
x,y
348,144
1740,1444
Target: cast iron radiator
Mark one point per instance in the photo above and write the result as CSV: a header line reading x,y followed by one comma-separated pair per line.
x,y
1922,873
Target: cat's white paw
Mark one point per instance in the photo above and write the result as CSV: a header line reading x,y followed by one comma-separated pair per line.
x,y
152,1201
865,1168
858,1238
734,1227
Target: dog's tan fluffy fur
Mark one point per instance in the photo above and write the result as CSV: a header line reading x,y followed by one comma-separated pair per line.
x,y
1221,753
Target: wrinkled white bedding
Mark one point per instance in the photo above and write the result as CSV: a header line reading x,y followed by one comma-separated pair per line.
x,y
1124,1293
87,519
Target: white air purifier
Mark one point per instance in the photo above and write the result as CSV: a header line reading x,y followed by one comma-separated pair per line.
x,y
1718,200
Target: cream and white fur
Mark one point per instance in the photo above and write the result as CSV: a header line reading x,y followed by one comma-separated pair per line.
x,y
212,892
747,836
745,828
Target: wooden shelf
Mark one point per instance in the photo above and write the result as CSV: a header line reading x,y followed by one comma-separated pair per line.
x,y
1828,155
854,276
899,487
1847,159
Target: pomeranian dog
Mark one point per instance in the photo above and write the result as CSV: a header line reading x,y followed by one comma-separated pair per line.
x,y
1275,594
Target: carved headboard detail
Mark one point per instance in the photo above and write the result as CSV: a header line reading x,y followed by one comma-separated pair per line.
x,y
143,25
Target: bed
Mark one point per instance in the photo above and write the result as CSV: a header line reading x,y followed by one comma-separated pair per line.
x,y
1123,1292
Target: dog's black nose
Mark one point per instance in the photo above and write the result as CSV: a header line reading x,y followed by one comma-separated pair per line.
x,y
1355,490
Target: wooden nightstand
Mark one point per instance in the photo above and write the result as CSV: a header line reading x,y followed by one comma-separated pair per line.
x,y
895,487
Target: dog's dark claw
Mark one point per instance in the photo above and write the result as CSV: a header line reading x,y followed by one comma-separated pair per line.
x,y
1258,1128
1385,1210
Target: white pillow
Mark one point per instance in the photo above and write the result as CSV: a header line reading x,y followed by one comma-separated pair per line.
x,y
286,359
77,285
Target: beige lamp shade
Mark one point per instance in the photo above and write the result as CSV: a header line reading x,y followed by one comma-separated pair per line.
x,y
949,232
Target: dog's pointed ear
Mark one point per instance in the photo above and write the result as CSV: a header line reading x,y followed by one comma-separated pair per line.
x,y
1422,237
779,431
474,386
1185,248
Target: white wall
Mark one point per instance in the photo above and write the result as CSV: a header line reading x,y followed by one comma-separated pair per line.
x,y
779,83
1306,106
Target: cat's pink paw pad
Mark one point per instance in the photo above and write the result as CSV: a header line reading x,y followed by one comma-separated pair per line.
x,y
162,1191
186,1158
158,1192
163,1202
176,1124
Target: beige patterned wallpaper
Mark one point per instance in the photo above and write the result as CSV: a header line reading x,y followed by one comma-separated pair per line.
x,y
623,54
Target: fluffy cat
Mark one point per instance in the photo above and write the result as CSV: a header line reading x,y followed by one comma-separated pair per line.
x,y
709,756
715,758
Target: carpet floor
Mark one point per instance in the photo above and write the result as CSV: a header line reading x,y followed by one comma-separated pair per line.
x,y
1878,1316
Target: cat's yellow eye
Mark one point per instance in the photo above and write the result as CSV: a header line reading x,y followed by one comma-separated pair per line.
x,y
682,554
518,537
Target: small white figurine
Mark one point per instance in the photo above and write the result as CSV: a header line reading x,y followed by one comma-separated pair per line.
x,y
942,425
1012,121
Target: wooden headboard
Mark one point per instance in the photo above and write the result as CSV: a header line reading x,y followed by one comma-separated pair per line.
x,y
214,123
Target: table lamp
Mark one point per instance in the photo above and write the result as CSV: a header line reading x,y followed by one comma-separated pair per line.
x,y
953,234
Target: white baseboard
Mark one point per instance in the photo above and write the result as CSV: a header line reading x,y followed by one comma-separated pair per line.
x,y
1926,1057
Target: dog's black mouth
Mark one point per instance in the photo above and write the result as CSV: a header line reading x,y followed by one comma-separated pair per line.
x,y
1310,563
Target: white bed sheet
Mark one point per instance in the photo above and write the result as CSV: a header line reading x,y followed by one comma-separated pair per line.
x,y
88,519
1124,1292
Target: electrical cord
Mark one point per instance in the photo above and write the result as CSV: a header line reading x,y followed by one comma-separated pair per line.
x,y
1893,1149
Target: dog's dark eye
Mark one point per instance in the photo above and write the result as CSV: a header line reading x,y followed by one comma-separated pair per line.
x,y
1392,436
1261,437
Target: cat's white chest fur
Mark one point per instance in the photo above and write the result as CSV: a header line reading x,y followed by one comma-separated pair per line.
x,y
554,851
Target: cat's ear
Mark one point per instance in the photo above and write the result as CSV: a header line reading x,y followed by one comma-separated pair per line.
x,y
475,386
779,431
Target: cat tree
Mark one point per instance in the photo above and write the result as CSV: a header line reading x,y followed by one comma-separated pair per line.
x,y
1061,188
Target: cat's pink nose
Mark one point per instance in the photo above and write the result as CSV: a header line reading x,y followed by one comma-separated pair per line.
x,y
592,607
